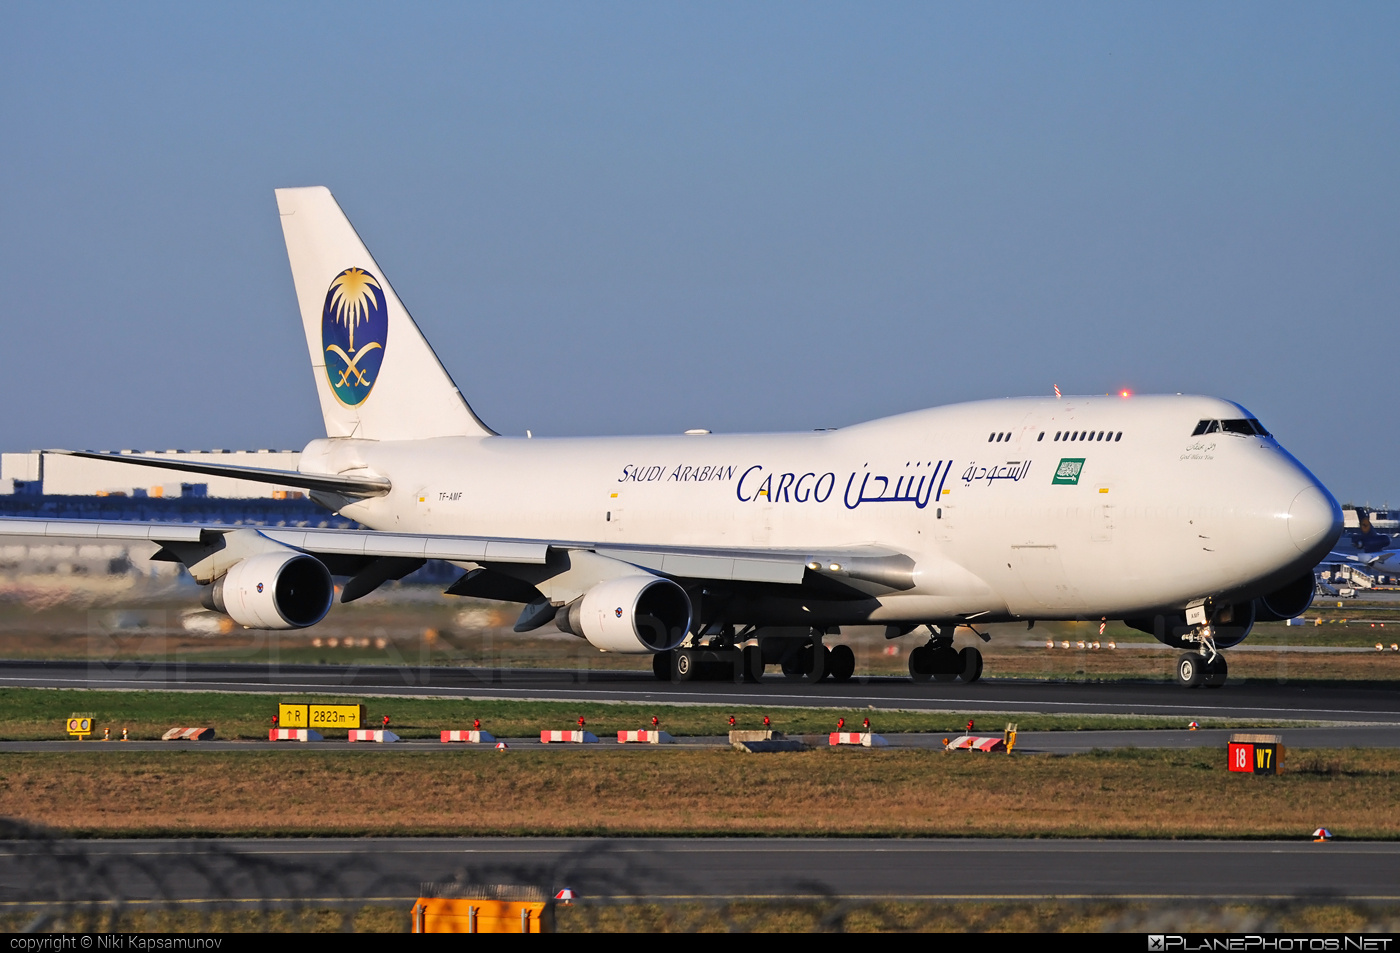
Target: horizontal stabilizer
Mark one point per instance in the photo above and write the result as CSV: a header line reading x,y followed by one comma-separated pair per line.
x,y
361,486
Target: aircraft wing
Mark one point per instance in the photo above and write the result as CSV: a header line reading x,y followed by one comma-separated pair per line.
x,y
352,486
348,552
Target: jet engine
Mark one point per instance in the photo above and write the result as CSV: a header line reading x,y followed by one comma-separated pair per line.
x,y
1288,602
629,614
287,590
1230,625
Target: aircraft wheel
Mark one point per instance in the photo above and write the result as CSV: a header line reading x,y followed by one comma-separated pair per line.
x,y
661,666
753,664
843,663
1190,670
821,663
796,664
921,664
1216,673
682,665
971,664
947,664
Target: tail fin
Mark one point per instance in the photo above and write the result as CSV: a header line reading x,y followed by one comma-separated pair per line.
x,y
376,376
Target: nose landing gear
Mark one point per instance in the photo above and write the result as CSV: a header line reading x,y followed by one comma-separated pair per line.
x,y
1204,667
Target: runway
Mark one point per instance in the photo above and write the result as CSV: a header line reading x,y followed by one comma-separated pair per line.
x,y
1376,703
392,869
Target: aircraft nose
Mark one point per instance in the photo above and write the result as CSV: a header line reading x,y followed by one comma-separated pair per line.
x,y
1312,516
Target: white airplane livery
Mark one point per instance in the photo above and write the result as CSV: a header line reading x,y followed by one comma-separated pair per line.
x,y
1180,515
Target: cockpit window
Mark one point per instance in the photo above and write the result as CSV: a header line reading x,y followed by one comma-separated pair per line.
x,y
1247,428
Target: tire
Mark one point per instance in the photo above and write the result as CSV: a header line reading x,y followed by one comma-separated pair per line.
x,y
797,663
821,663
1190,670
971,662
843,663
947,664
920,664
661,666
753,664
682,665
1215,673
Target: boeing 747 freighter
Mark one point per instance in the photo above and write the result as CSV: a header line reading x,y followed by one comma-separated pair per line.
x,y
1180,515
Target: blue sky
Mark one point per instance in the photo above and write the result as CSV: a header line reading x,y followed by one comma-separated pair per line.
x,y
615,218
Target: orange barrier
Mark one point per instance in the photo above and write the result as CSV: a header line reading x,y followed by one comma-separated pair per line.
x,y
646,736
294,734
188,734
574,737
379,735
866,739
469,737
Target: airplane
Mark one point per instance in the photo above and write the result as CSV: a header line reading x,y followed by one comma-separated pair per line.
x,y
1364,536
722,554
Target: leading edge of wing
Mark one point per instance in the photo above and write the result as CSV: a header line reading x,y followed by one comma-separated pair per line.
x,y
783,567
361,486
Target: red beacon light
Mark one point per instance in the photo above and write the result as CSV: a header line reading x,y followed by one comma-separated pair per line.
x,y
1125,393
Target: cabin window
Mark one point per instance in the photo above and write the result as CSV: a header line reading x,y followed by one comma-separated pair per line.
x,y
1118,437
991,437
1041,437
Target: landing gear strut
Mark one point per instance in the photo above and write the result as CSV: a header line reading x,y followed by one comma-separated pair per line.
x,y
1204,667
722,655
937,659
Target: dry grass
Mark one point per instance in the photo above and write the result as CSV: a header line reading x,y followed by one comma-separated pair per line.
x,y
797,916
836,792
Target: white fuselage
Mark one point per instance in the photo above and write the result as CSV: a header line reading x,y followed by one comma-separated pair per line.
x,y
1022,527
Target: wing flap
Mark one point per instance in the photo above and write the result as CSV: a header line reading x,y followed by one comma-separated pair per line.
x,y
100,529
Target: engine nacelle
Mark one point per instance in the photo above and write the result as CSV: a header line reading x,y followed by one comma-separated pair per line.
x,y
629,614
1288,602
1230,626
288,590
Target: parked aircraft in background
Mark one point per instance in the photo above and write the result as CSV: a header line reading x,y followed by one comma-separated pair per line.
x,y
1180,515
1364,536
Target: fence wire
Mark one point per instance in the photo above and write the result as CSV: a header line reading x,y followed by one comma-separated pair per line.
x,y
52,884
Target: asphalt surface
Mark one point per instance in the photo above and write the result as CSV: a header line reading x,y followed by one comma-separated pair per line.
x,y
392,870
1336,702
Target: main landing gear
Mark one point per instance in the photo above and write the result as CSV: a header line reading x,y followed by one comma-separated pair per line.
x,y
938,660
726,657
1203,667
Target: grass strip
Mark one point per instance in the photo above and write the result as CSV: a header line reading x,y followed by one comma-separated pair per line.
x,y
833,792
37,713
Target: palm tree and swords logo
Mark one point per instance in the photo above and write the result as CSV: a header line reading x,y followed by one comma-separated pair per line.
x,y
354,309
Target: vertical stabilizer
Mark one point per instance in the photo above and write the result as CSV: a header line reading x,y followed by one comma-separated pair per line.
x,y
376,376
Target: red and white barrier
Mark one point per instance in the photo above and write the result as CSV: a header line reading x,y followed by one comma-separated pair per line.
x,y
575,737
469,737
294,734
646,736
866,739
188,734
975,743
380,735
